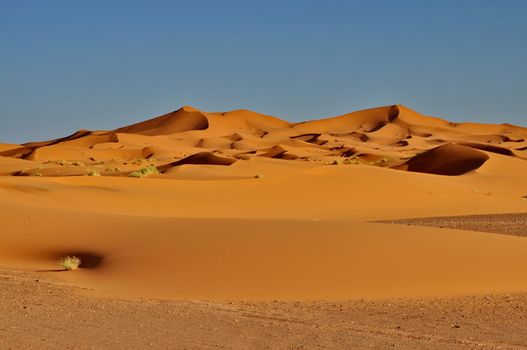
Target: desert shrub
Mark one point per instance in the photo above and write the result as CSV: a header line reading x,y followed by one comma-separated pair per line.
x,y
36,174
149,170
258,176
70,262
92,172
113,169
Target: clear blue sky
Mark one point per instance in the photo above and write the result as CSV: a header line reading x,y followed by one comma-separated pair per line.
x,y
66,65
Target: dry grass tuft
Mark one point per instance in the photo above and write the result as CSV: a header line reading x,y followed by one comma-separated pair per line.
x,y
149,170
70,262
92,172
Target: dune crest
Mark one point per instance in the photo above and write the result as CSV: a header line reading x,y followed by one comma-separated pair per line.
x,y
184,119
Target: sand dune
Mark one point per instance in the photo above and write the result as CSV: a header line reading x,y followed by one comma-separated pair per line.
x,y
8,146
448,159
184,119
249,206
385,136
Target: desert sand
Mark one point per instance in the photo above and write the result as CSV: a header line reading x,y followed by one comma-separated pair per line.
x,y
195,206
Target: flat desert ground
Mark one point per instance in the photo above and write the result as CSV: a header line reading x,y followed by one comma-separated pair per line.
x,y
382,228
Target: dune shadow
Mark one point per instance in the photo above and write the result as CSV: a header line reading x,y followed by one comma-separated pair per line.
x,y
52,270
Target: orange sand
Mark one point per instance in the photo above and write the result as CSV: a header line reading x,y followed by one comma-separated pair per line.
x,y
248,206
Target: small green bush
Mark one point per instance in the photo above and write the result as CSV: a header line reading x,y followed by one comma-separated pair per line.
x,y
149,170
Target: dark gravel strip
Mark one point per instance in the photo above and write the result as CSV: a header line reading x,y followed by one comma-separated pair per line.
x,y
507,224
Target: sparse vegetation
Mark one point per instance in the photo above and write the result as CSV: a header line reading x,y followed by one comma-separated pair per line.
x,y
59,162
63,162
92,172
36,174
258,176
149,170
381,162
139,161
113,169
351,161
70,262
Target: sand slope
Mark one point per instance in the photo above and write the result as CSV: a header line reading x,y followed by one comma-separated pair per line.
x,y
263,258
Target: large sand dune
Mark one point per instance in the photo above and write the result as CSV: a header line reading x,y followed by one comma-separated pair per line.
x,y
389,136
240,205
